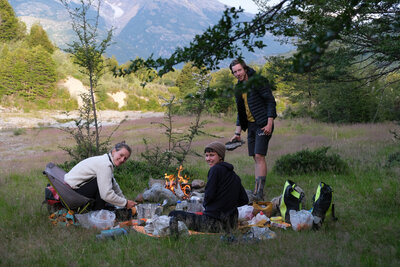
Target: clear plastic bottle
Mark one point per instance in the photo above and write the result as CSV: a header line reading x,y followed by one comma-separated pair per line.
x,y
260,217
178,205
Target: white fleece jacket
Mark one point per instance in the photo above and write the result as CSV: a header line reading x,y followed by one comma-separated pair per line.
x,y
102,168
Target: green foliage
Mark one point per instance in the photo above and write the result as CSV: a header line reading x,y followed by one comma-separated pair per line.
x,y
10,27
180,145
345,103
222,82
314,26
306,162
185,81
30,73
19,131
38,36
393,159
88,50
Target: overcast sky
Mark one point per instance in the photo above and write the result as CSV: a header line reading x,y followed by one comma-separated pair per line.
x,y
247,5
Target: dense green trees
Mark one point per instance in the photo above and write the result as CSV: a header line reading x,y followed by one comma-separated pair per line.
x,y
25,72
27,69
38,36
10,27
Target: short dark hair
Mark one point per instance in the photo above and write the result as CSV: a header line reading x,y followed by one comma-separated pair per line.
x,y
209,149
238,61
122,145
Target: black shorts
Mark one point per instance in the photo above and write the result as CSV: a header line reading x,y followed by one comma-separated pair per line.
x,y
257,140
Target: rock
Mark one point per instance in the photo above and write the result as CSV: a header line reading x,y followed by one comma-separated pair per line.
x,y
139,198
158,193
276,203
156,181
197,184
197,194
250,195
200,190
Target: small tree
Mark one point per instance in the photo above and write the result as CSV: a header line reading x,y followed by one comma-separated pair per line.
x,y
87,51
179,145
83,134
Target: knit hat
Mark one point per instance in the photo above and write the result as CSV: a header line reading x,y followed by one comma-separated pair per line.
x,y
218,147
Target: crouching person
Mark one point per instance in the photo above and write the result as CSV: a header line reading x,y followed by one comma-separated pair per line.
x,y
223,194
94,178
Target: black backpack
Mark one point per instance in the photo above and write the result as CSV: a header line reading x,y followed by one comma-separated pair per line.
x,y
292,197
323,205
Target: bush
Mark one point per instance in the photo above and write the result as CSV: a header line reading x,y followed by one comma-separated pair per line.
x,y
306,161
19,131
393,160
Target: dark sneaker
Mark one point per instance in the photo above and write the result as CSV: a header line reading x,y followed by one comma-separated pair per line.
x,y
233,145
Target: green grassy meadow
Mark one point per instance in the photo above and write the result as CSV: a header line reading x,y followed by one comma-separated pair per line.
x,y
367,202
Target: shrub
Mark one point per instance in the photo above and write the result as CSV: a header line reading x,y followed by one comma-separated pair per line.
x,y
19,131
393,160
306,161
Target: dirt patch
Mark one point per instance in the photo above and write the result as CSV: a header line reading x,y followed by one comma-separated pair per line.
x,y
14,119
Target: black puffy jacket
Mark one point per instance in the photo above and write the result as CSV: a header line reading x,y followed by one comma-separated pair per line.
x,y
261,102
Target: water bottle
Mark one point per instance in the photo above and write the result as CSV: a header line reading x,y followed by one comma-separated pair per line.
x,y
178,205
112,233
184,205
260,217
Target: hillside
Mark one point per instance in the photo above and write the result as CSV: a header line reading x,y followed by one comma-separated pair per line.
x,y
142,27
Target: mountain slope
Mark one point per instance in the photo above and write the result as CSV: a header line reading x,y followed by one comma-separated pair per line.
x,y
142,27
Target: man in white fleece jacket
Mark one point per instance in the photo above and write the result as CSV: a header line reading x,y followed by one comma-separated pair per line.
x,y
94,178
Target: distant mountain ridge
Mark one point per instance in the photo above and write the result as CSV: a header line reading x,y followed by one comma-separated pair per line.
x,y
142,27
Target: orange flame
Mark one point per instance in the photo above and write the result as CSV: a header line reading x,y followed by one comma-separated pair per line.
x,y
171,182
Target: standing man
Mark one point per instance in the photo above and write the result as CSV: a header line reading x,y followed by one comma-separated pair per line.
x,y
256,108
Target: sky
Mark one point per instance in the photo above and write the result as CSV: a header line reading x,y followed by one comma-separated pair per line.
x,y
247,5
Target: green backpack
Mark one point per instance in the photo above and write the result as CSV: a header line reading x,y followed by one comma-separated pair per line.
x,y
323,205
292,197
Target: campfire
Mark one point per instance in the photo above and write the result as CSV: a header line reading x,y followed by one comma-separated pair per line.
x,y
178,184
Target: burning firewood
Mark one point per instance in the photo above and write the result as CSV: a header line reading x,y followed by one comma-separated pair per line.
x,y
179,184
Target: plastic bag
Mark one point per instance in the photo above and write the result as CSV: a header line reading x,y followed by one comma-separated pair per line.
x,y
301,220
259,233
260,220
101,219
148,210
159,226
245,213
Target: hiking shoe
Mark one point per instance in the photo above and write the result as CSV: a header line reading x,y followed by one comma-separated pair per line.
x,y
233,145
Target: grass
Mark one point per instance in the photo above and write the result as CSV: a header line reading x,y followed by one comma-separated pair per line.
x,y
367,200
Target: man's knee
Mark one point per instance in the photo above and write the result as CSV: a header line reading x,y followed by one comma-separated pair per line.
x,y
258,158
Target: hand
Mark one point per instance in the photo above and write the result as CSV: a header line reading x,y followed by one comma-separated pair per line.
x,y
130,204
235,137
267,129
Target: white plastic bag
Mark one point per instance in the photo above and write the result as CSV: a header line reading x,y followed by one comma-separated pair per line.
x,y
245,213
301,220
260,233
100,219
159,226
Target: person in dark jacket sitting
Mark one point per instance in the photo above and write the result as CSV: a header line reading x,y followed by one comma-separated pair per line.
x,y
224,193
256,108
